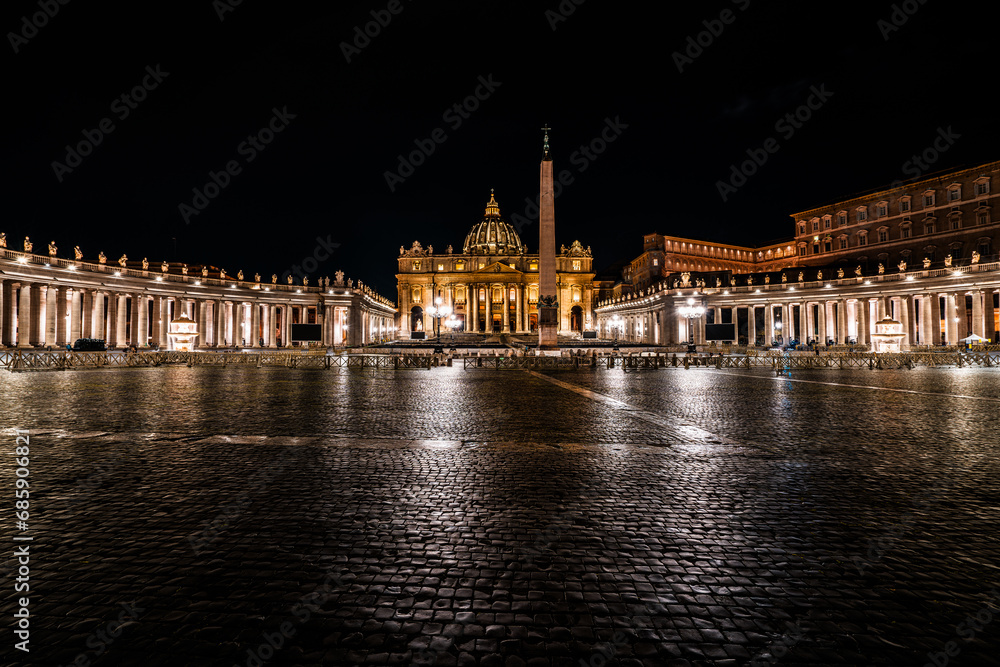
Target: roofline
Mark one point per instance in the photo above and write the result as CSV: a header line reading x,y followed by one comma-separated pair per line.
x,y
904,185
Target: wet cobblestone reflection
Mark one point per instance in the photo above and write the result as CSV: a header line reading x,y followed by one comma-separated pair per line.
x,y
284,517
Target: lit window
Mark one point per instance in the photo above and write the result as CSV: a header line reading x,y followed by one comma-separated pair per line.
x,y
460,266
533,266
416,295
577,264
656,262
440,267
416,265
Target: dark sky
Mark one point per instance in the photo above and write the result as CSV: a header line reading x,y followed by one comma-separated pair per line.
x,y
678,133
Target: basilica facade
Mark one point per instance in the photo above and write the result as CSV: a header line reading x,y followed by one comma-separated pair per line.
x,y
491,285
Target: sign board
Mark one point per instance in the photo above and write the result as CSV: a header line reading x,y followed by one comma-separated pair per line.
x,y
307,332
720,332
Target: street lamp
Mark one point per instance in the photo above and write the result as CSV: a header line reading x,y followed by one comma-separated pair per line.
x,y
691,311
615,324
777,326
437,311
453,323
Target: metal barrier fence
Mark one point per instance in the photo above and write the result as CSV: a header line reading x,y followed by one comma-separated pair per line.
x,y
30,360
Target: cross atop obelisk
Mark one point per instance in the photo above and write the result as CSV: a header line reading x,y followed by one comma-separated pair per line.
x,y
548,299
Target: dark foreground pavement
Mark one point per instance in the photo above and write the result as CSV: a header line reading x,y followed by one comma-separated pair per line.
x,y
268,517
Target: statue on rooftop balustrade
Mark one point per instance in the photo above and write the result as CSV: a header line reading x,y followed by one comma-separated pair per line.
x,y
77,252
947,259
28,245
975,257
3,239
102,258
145,264
52,249
123,261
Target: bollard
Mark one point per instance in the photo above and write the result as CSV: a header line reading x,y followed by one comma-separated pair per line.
x,y
687,362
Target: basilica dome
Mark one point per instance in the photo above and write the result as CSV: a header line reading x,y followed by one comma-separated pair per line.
x,y
493,235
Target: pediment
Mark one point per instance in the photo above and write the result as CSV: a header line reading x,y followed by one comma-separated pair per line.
x,y
501,268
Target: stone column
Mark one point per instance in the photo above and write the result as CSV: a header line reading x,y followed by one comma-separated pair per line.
x,y
880,314
9,315
34,322
286,320
219,322
904,319
935,319
822,334
255,325
864,326
962,313
98,317
237,318
23,315
271,328
505,318
159,317
841,306
489,309
143,320
121,326
61,321
51,296
133,324
950,325
751,326
112,318
768,324
989,322
519,308
87,308
911,311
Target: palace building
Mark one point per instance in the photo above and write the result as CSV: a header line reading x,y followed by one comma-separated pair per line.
x,y
920,254
492,285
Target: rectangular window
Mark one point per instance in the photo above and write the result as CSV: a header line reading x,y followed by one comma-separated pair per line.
x,y
815,225
954,194
862,214
929,228
826,223
982,218
883,235
928,200
843,242
956,223
826,246
577,263
904,205
882,210
440,267
842,219
905,232
802,250
982,188
862,239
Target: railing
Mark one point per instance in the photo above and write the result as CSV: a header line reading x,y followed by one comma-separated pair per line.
x,y
30,360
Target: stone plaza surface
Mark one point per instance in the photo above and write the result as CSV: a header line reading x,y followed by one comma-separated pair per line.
x,y
508,518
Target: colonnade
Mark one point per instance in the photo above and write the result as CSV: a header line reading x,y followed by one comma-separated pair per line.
x,y
44,305
933,310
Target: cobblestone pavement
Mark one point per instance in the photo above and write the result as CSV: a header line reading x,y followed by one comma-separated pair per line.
x,y
188,516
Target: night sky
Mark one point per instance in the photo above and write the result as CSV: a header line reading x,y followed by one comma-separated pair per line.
x,y
606,67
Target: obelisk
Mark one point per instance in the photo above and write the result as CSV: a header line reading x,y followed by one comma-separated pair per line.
x,y
548,295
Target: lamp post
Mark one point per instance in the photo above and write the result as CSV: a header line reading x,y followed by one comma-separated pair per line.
x,y
437,311
691,311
